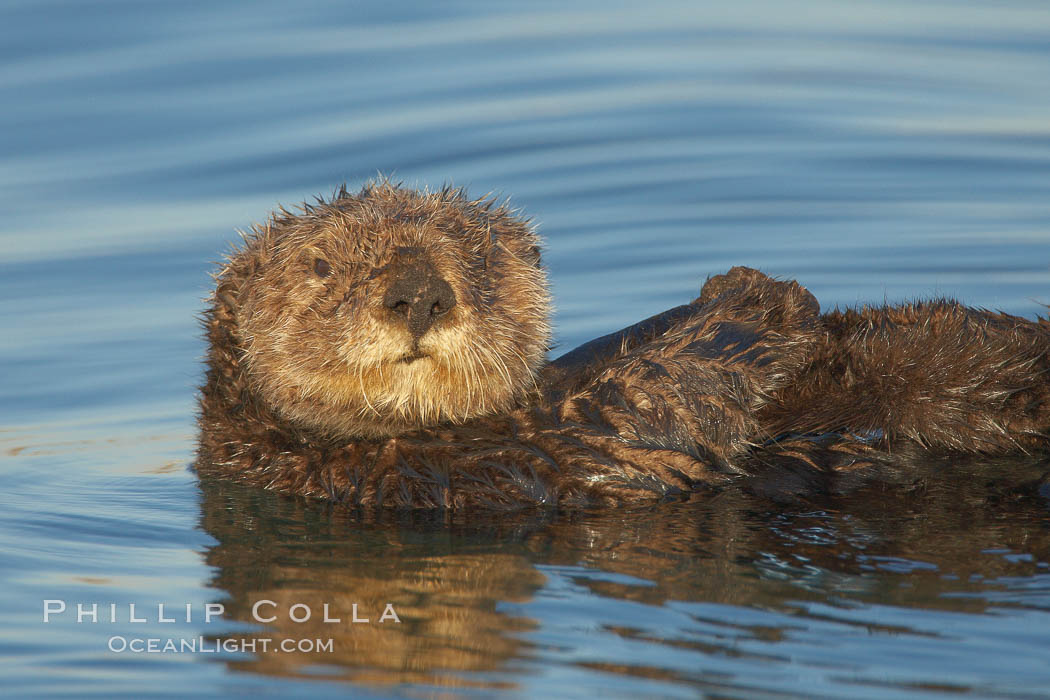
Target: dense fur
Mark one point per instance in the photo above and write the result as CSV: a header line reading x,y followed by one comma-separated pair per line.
x,y
314,387
320,353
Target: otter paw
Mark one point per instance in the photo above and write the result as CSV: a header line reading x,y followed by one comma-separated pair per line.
x,y
754,288
737,278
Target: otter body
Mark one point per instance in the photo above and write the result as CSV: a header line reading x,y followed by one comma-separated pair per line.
x,y
388,349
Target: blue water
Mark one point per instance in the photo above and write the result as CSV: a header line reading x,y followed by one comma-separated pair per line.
x,y
872,150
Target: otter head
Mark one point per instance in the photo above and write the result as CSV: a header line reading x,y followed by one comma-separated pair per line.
x,y
372,314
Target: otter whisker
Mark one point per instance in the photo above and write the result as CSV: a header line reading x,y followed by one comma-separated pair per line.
x,y
364,391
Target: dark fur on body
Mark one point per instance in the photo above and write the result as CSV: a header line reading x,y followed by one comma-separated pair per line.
x,y
747,384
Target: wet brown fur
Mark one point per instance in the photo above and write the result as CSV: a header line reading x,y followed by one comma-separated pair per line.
x,y
308,390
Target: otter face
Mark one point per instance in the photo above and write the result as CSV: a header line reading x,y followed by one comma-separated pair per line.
x,y
390,310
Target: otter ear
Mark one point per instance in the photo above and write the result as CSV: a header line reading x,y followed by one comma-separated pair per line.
x,y
529,254
532,255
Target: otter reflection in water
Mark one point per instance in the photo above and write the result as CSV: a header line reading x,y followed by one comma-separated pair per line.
x,y
388,348
471,590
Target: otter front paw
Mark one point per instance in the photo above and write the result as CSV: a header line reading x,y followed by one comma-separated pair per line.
x,y
789,301
737,278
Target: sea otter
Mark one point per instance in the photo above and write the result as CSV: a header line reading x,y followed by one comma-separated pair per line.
x,y
388,349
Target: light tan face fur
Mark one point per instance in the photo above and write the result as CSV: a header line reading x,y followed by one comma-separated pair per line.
x,y
328,355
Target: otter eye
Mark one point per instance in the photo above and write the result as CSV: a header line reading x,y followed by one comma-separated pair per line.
x,y
322,268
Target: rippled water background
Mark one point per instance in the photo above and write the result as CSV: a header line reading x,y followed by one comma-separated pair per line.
x,y
872,150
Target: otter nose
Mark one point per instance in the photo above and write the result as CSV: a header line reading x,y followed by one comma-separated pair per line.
x,y
418,296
